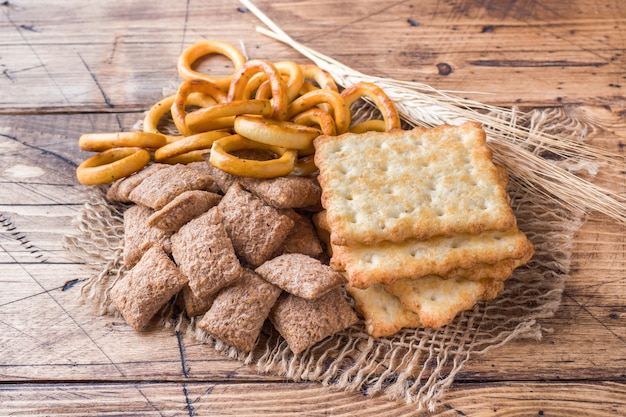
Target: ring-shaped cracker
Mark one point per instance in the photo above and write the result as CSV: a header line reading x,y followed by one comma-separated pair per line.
x,y
278,85
204,48
317,117
374,125
222,158
200,141
111,165
275,132
97,142
380,99
199,155
321,77
180,102
205,119
341,111
160,109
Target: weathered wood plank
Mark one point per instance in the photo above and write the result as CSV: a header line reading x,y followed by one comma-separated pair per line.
x,y
208,399
118,57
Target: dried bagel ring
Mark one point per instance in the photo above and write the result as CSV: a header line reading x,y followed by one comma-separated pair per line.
x,y
180,102
341,111
159,109
205,118
275,132
321,77
380,99
97,142
304,166
317,117
207,47
293,83
278,85
112,165
196,142
375,125
199,155
222,158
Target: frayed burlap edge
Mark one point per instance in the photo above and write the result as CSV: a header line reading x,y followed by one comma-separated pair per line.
x,y
416,365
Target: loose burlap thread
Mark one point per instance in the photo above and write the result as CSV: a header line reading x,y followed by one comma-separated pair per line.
x,y
415,365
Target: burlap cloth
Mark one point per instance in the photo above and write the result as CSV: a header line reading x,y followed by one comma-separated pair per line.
x,y
415,365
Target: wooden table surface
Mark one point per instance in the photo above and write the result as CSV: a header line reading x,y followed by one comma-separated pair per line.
x,y
69,67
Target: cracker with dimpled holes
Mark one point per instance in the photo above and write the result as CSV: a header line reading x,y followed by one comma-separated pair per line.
x,y
495,254
437,301
417,184
383,313
239,311
205,254
147,287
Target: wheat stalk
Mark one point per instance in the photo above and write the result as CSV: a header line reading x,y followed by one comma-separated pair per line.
x,y
516,143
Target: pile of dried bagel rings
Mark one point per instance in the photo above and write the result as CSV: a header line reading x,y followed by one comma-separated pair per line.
x,y
277,107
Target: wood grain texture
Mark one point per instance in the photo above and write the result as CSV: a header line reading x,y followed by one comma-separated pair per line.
x,y
70,67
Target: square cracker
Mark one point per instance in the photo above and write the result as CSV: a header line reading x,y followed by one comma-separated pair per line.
x,y
382,312
418,184
489,254
437,301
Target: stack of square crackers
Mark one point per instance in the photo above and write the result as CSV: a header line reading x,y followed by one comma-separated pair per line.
x,y
419,222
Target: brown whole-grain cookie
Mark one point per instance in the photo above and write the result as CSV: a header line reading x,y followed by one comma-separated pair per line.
x,y
120,190
300,275
147,287
205,254
256,229
285,192
303,323
164,185
183,208
139,236
239,311
303,237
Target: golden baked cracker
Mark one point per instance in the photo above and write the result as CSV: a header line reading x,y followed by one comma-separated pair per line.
x,y
382,312
147,287
438,301
496,253
410,184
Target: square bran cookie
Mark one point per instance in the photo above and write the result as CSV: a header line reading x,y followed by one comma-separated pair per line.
x,y
147,287
139,236
303,323
239,311
204,253
256,229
